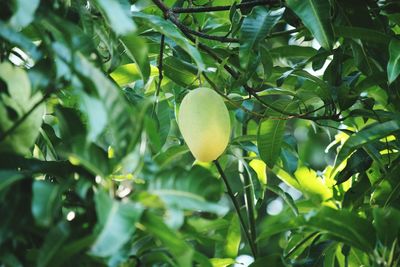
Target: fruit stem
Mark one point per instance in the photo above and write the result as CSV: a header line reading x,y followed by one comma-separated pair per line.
x,y
237,208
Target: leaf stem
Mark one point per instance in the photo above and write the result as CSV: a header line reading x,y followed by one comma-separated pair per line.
x,y
237,208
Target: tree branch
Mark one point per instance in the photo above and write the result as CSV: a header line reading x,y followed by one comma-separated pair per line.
x,y
224,8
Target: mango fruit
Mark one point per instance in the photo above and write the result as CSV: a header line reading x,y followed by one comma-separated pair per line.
x,y
204,122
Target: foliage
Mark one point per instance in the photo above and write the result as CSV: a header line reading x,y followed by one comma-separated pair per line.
x,y
94,170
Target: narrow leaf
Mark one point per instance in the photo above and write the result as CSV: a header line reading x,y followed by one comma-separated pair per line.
x,y
136,49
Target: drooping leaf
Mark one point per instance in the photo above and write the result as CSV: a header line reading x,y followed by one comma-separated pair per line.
x,y
393,67
136,49
315,15
271,130
368,134
192,190
254,29
170,31
182,252
118,15
24,14
54,240
117,222
46,202
344,225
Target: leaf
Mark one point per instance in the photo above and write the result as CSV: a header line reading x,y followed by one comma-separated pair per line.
x,y
393,67
344,225
46,202
117,221
286,197
117,15
293,51
136,49
233,237
53,242
24,14
270,132
126,74
315,15
362,34
368,134
275,224
182,252
8,177
169,30
311,185
192,190
224,262
18,39
15,102
387,224
254,29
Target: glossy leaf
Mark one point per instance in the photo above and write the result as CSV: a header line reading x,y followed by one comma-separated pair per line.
x,y
315,15
393,67
136,48
254,29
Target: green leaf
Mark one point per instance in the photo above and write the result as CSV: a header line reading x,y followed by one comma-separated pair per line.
x,y
254,29
182,252
126,74
270,132
136,49
312,185
233,237
169,30
315,15
15,102
387,224
393,67
46,202
18,39
53,242
8,177
362,34
285,196
217,262
118,15
344,225
24,14
293,51
117,221
192,190
368,134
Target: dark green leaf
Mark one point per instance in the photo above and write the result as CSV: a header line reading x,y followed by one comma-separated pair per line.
x,y
254,29
393,67
315,15
46,202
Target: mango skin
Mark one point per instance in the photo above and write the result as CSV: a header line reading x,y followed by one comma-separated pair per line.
x,y
204,122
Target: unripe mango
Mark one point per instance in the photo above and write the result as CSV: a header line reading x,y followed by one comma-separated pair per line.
x,y
204,123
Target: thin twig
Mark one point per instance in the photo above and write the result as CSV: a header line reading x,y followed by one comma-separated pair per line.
x,y
160,72
224,8
237,208
24,117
